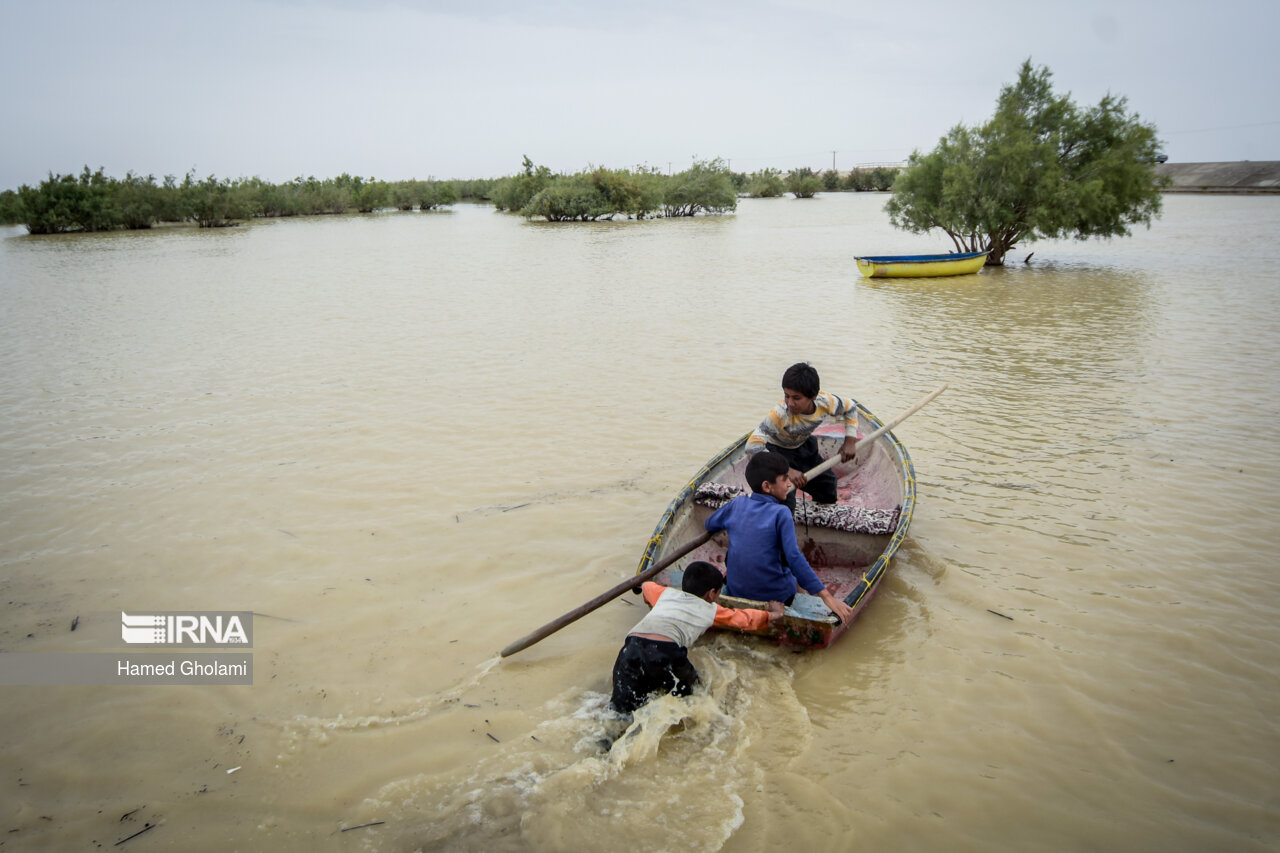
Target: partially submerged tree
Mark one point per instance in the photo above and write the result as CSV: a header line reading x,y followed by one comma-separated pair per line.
x,y
67,203
766,183
11,209
568,199
705,187
1040,168
425,195
803,182
875,179
433,194
632,194
514,192
213,203
600,193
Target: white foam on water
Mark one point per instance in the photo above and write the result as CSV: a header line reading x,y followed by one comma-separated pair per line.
x,y
673,776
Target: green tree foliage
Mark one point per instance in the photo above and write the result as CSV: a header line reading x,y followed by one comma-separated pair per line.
x,y
600,193
331,196
50,207
803,182
475,189
878,179
705,187
831,181
365,196
277,199
213,203
636,195
69,203
767,183
139,201
403,195
1040,168
168,204
428,195
568,198
92,201
10,208
514,192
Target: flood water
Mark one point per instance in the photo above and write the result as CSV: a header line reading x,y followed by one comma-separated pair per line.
x,y
406,440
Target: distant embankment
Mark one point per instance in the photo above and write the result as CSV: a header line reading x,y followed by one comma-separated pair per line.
x,y
1247,176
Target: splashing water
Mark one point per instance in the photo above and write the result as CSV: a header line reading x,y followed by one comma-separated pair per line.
x,y
588,774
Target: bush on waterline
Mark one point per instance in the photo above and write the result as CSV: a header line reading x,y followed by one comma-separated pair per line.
x,y
605,193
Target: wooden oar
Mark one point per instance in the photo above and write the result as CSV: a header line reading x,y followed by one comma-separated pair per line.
x,y
603,598
870,437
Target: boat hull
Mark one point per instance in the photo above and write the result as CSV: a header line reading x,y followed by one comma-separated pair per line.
x,y
851,562
921,266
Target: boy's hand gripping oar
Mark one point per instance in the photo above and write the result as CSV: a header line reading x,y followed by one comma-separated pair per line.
x,y
603,598
870,437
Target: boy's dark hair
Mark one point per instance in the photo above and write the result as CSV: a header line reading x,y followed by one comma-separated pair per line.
x,y
801,377
700,577
765,467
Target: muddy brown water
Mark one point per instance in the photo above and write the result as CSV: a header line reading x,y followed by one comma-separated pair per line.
x,y
405,441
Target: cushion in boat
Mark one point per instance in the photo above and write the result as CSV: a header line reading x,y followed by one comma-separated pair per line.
x,y
837,516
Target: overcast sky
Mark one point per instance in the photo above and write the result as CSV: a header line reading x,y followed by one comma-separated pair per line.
x,y
407,89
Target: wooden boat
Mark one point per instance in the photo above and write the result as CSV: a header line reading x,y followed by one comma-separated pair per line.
x,y
849,543
916,266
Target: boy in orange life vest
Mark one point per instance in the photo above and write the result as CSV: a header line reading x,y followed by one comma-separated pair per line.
x,y
655,656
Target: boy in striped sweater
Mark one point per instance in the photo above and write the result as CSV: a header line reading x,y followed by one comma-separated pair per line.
x,y
789,427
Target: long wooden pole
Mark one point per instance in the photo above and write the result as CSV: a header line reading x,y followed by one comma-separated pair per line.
x,y
870,437
601,599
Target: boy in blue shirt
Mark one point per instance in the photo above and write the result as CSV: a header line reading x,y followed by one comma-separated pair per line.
x,y
764,562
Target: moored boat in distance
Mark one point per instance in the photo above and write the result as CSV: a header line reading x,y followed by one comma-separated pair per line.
x,y
849,543
921,266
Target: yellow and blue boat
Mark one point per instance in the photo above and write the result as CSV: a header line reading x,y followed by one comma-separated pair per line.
x,y
921,266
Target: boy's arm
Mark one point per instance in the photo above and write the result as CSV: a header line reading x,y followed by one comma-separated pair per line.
x,y
804,573
768,430
652,591
796,562
846,408
836,606
748,620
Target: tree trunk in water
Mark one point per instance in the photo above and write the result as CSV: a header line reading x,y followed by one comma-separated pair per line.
x,y
999,245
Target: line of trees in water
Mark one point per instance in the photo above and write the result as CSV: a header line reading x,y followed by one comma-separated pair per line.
x,y
94,201
705,187
804,182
